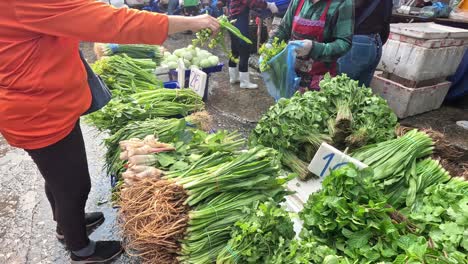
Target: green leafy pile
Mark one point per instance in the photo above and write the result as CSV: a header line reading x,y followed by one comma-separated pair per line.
x,y
443,216
267,53
351,214
254,239
341,113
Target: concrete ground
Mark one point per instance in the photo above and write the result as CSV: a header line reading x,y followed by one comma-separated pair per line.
x,y
26,226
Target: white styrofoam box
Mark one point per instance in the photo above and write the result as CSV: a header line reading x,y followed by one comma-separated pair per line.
x,y
406,101
428,31
137,2
423,51
416,63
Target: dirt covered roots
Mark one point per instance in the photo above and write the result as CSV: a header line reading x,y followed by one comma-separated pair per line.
x,y
153,219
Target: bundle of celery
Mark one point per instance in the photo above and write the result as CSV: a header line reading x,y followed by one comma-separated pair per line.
x,y
136,51
398,169
341,113
215,188
124,75
204,36
144,105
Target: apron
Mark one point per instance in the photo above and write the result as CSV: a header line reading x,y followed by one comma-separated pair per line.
x,y
311,72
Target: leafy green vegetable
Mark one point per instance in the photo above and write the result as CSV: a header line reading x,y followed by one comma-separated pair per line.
x,y
267,53
443,215
255,238
398,169
300,124
136,51
351,214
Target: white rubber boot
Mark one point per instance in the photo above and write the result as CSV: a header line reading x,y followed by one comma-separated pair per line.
x,y
245,81
233,75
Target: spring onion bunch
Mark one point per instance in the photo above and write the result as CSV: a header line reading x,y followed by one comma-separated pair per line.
x,y
136,51
268,53
400,168
125,75
146,105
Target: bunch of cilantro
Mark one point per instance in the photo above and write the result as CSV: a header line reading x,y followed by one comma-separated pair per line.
x,y
265,230
443,216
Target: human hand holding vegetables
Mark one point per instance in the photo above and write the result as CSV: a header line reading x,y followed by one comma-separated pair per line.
x,y
197,23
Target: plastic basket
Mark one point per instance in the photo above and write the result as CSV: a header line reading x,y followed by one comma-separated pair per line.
x,y
171,85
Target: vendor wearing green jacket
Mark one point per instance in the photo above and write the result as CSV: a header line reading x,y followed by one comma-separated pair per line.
x,y
324,29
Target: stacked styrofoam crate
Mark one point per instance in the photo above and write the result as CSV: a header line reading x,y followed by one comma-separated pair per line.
x,y
416,60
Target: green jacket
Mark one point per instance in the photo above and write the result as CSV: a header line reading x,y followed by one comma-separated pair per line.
x,y
338,27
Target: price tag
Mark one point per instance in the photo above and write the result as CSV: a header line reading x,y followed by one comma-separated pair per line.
x,y
198,81
181,73
329,158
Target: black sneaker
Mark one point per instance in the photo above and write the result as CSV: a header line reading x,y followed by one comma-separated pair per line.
x,y
105,251
93,220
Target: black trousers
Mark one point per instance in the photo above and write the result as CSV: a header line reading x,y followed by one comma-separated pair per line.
x,y
67,184
240,50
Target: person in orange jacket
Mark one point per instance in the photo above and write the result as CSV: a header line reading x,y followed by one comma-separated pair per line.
x,y
44,91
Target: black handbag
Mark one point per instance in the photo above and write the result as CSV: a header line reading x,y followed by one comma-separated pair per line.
x,y
101,95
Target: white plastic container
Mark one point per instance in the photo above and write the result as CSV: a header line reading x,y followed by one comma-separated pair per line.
x,y
423,51
406,101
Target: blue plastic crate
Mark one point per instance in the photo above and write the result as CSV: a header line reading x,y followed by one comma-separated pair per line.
x,y
171,85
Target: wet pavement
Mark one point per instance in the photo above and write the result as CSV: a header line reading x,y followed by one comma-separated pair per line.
x,y
26,226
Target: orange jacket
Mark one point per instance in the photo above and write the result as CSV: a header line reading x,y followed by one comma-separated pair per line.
x,y
43,87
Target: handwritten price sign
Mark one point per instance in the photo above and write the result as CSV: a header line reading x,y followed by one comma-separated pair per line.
x,y
329,158
198,81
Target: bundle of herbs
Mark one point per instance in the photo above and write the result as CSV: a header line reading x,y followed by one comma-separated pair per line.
x,y
443,216
254,239
351,217
267,53
341,113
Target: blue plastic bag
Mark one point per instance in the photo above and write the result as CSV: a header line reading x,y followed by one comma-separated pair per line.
x,y
281,79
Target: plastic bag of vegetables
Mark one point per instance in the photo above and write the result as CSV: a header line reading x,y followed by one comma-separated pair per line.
x,y
279,74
